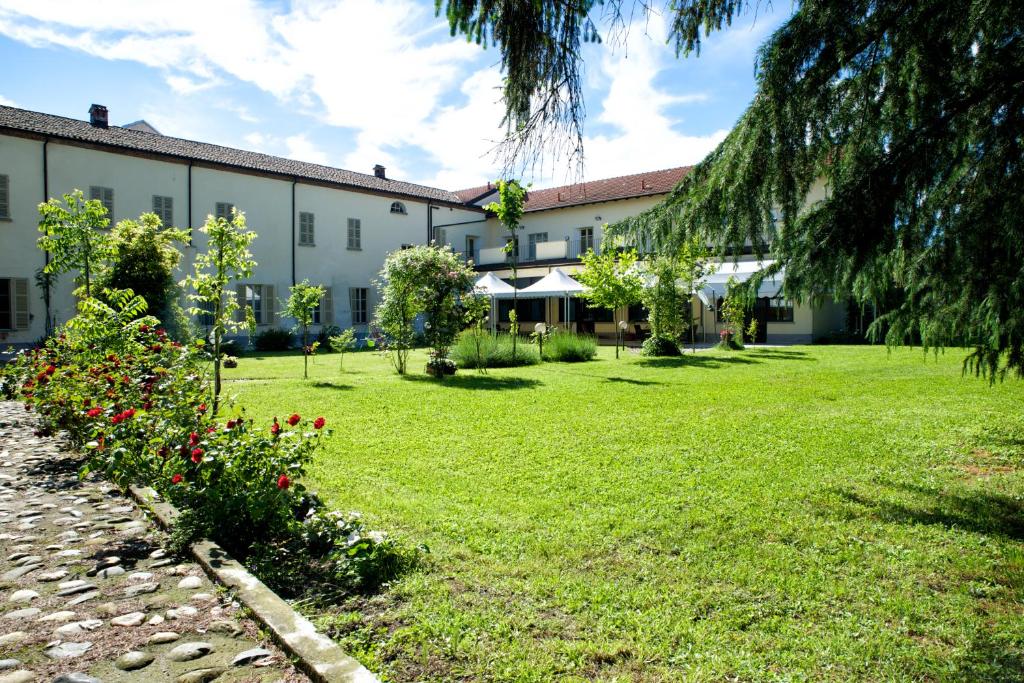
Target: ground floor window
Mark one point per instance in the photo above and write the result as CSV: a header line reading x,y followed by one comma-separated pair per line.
x,y
638,313
527,310
780,310
357,301
260,299
14,303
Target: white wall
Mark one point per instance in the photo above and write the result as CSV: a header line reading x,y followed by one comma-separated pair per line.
x,y
22,161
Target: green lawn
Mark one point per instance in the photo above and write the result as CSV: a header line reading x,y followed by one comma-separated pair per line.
x,y
807,513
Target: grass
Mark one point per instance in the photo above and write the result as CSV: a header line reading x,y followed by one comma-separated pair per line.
x,y
808,513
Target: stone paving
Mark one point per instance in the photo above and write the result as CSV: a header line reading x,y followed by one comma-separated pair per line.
x,y
86,592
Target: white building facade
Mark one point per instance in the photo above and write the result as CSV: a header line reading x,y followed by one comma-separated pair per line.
x,y
330,226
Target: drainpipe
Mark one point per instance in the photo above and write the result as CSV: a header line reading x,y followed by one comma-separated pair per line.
x,y
430,221
46,255
294,181
189,201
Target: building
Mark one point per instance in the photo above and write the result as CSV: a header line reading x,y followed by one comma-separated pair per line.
x,y
331,226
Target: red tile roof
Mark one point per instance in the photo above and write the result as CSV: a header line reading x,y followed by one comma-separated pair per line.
x,y
608,189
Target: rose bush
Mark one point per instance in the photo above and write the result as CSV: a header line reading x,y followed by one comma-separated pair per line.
x,y
135,401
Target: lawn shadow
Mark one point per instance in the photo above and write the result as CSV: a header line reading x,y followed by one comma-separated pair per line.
x,y
636,382
477,382
330,385
974,510
695,360
781,354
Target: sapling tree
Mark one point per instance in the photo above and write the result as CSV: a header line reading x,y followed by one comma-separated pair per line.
x,y
612,280
227,258
477,310
74,237
509,210
340,343
733,311
398,306
300,306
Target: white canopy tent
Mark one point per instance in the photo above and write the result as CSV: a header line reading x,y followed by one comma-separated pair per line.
x,y
555,283
496,288
717,283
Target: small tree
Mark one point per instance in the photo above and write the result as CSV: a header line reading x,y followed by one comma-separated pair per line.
x,y
613,281
733,311
666,300
340,343
73,236
509,210
301,303
398,306
477,311
144,258
227,258
694,269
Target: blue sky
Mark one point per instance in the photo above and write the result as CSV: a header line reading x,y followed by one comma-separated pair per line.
x,y
353,83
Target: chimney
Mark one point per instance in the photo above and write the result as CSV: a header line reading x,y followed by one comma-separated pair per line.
x,y
98,116
378,171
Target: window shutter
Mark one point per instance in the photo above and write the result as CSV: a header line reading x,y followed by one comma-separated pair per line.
x,y
5,196
240,311
269,305
327,307
21,314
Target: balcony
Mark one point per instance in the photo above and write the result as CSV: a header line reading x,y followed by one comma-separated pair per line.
x,y
568,249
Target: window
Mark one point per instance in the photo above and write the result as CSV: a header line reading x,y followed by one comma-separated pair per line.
x,y
398,207
471,253
260,298
638,313
355,234
223,210
5,196
586,239
357,301
205,319
718,310
306,228
780,310
14,314
527,310
106,196
323,314
163,207
533,239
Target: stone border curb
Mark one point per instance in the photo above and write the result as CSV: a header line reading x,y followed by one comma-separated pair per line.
x,y
318,656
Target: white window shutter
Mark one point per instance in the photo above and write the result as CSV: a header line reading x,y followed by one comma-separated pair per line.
x,y
21,312
327,307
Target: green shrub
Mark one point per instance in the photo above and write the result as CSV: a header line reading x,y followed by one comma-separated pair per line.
x,y
324,337
659,346
568,347
728,341
496,352
273,339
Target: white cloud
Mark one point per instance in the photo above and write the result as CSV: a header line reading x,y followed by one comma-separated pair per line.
x,y
386,69
6,102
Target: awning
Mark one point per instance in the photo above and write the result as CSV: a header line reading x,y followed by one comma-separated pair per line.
x,y
716,283
555,283
491,285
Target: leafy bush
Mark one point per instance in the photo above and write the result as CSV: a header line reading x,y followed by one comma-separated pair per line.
x,y
323,337
440,367
728,341
567,347
137,401
273,339
659,346
496,352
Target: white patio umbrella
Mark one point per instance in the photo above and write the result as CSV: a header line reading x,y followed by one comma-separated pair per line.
x,y
496,288
555,283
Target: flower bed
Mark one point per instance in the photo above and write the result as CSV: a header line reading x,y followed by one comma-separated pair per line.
x,y
137,403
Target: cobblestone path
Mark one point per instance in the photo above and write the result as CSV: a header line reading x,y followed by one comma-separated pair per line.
x,y
87,593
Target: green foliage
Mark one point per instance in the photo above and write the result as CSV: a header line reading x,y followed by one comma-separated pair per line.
x,y
666,300
74,237
303,300
613,281
341,343
272,339
144,256
567,347
656,345
476,351
477,315
428,280
733,312
509,210
226,259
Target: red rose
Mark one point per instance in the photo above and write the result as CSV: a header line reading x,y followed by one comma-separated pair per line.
x,y
94,412
143,328
211,430
201,408
50,369
147,406
231,424
156,348
319,423
129,413
176,479
193,439
275,428
294,419
197,455
125,379
163,452
283,482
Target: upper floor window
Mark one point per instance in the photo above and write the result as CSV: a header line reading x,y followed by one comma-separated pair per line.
x,y
355,234
106,196
163,207
14,313
223,210
306,227
398,207
5,196
780,310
